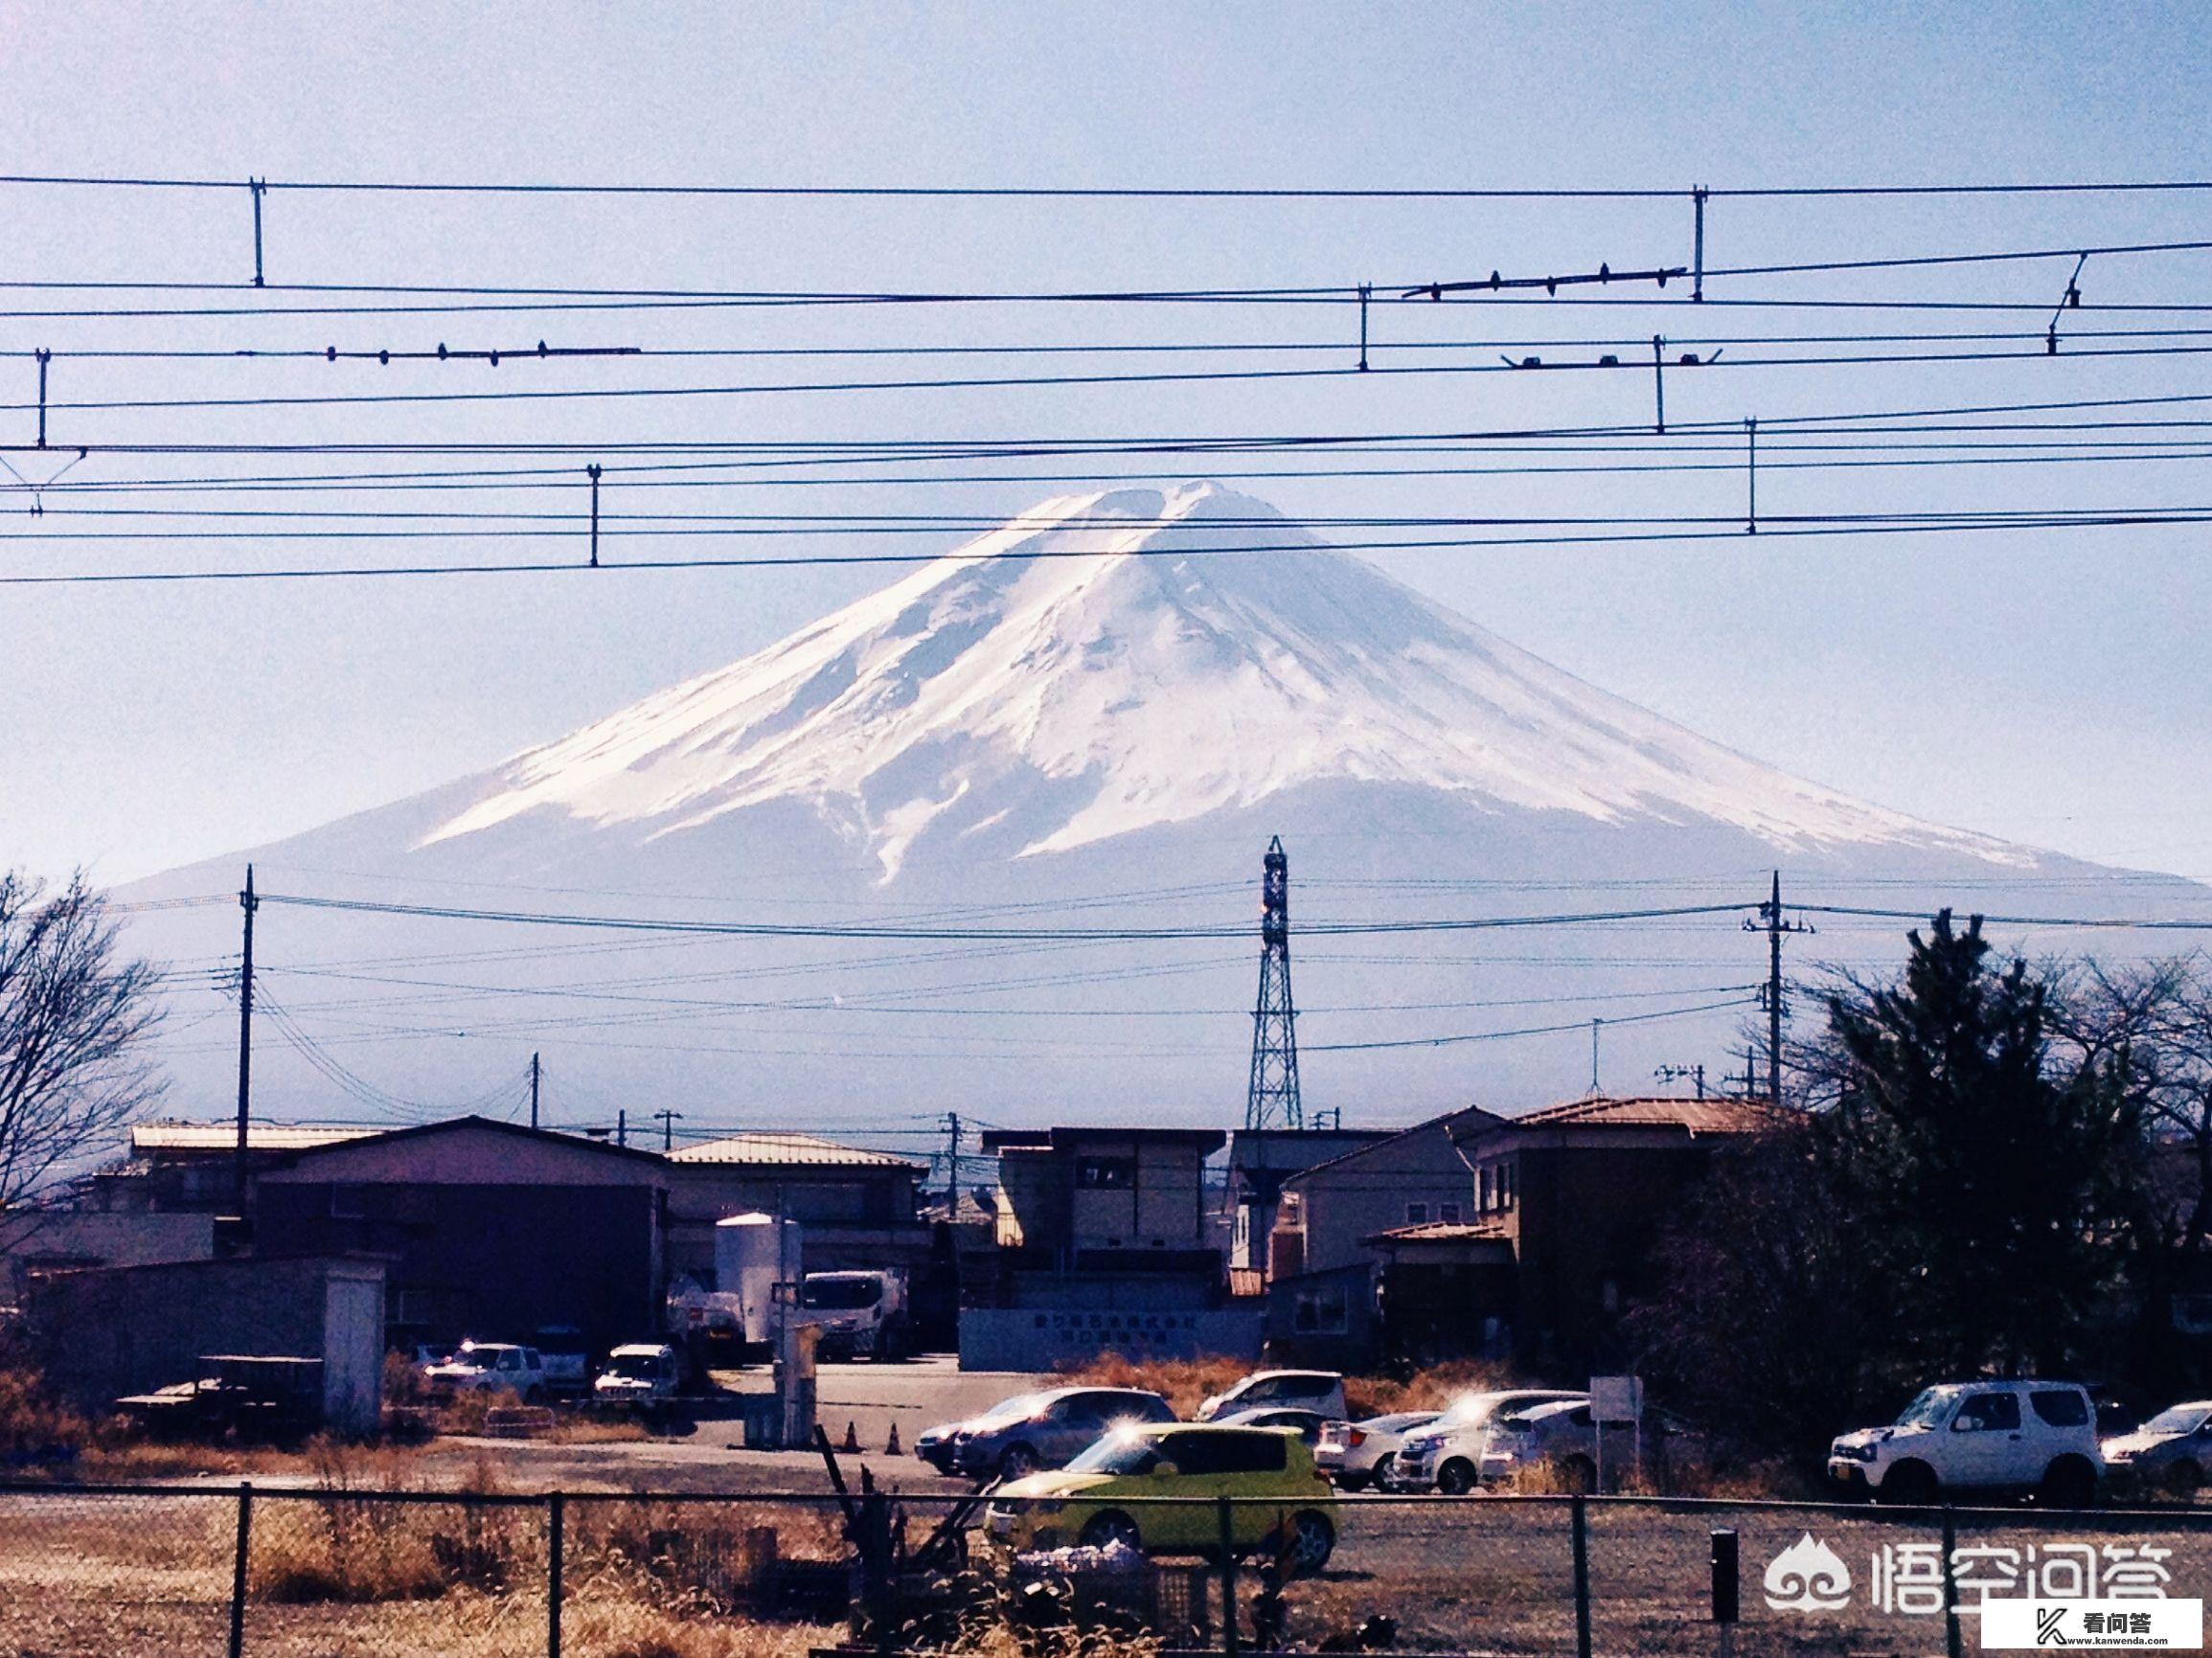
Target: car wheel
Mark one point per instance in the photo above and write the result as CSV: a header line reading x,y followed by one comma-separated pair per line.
x,y
1312,1539
1385,1472
1579,1475
2183,1478
1909,1485
1456,1478
1016,1462
2069,1483
1104,1531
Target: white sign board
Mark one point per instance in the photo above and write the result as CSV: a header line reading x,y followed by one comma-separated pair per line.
x,y
1616,1398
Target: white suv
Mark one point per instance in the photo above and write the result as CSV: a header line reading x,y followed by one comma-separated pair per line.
x,y
491,1367
1994,1437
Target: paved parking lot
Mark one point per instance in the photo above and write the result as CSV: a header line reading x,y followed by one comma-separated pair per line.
x,y
705,1450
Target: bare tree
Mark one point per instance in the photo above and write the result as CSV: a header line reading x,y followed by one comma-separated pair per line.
x,y
74,1023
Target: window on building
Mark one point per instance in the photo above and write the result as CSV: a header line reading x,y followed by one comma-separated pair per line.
x,y
1319,1311
1482,1191
413,1306
1417,1215
1292,1212
1447,1213
1507,1186
1105,1173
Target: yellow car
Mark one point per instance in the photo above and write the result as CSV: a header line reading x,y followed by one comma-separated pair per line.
x,y
1281,1501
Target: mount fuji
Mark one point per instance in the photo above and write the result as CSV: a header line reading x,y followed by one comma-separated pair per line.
x,y
1106,708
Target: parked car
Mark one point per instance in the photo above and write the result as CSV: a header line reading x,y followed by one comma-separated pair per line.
x,y
1088,1502
1356,1455
488,1366
1999,1437
1308,1425
2172,1450
1038,1430
641,1377
567,1359
1312,1390
1561,1439
1447,1453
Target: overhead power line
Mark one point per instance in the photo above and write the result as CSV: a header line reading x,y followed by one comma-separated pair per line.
x,y
1780,531
1610,363
1265,295
947,931
1106,192
1525,1031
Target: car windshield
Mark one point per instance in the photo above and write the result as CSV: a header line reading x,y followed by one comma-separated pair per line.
x,y
478,1358
1468,1412
1010,1410
2178,1420
634,1366
840,1294
1117,1454
1928,1410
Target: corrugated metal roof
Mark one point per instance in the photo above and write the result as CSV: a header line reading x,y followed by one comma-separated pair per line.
x,y
1442,1232
152,1137
789,1150
1697,1116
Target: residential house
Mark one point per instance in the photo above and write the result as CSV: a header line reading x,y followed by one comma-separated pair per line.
x,y
1260,1161
1475,1235
1105,1237
1580,1192
1321,1266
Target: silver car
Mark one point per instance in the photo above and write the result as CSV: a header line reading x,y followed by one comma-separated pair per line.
x,y
2173,1449
1042,1430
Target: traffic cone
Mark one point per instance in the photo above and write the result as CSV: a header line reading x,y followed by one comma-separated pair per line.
x,y
892,1448
851,1437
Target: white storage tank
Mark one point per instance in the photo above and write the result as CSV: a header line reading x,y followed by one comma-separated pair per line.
x,y
752,1254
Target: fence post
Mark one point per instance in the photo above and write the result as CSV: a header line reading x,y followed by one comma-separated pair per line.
x,y
1580,1511
238,1641
1225,1514
1951,1635
555,1511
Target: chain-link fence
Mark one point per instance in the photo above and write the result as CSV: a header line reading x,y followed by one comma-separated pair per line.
x,y
310,1572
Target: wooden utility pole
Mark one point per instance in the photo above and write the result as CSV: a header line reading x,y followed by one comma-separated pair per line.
x,y
533,1090
249,903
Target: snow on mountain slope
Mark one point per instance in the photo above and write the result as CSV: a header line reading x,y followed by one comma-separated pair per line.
x,y
1093,696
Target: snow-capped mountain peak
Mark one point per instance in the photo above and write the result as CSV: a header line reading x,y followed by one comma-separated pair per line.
x,y
1108,662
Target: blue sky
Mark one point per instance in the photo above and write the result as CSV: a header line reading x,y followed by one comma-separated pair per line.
x,y
2046,686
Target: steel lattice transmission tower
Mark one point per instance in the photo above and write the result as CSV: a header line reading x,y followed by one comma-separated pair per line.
x,y
1272,1100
